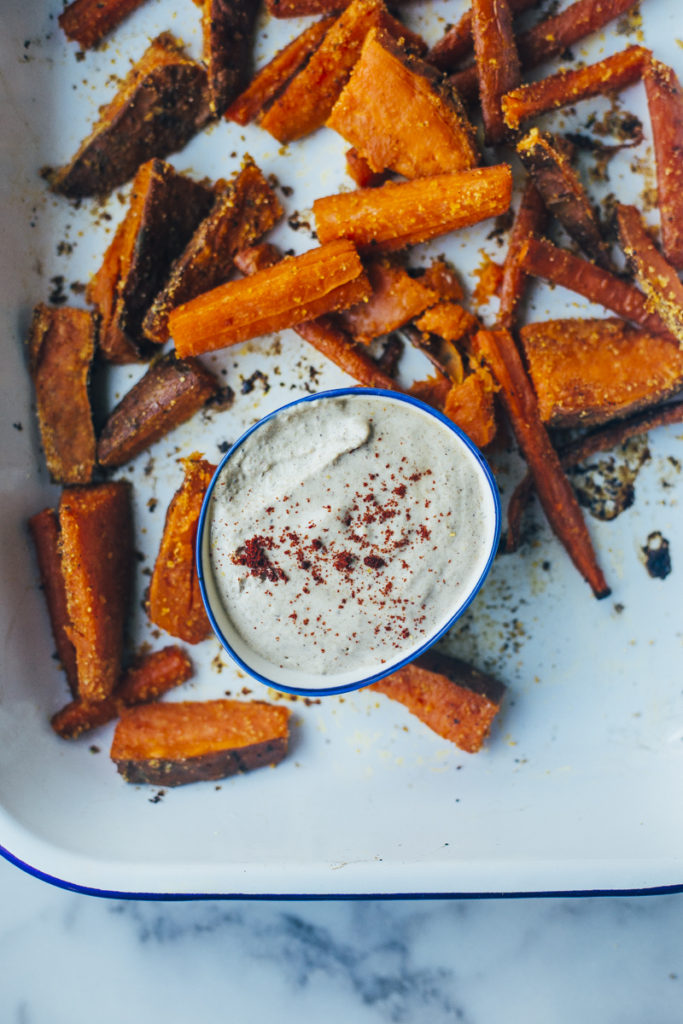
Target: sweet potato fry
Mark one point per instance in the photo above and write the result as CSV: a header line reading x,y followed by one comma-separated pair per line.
x,y
455,700
442,278
87,22
568,87
362,173
299,8
61,347
174,600
44,530
274,76
530,220
169,393
554,490
388,95
665,103
397,215
543,259
322,280
432,390
164,209
161,104
470,405
449,320
655,275
586,372
80,716
565,197
457,42
96,547
497,61
227,29
396,298
243,210
189,741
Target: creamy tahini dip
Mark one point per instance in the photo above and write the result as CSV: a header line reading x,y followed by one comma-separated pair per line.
x,y
344,532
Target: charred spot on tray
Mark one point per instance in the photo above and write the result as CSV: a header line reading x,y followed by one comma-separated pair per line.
x,y
222,399
158,796
606,487
57,296
249,383
657,555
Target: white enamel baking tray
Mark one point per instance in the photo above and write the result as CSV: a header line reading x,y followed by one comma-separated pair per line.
x,y
578,788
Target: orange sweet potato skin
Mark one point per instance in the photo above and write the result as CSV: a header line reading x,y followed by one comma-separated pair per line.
x,y
177,743
96,546
174,600
471,407
61,347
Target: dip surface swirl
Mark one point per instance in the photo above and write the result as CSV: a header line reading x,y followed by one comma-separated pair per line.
x,y
345,531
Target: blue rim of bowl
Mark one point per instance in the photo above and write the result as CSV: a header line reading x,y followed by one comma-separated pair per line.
x,y
330,691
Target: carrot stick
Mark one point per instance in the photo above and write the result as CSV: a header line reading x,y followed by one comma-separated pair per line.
x,y
530,219
497,61
567,87
554,490
322,280
543,259
397,215
87,22
665,103
654,273
274,76
457,42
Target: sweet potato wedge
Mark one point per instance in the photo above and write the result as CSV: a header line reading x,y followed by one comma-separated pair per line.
x,y
164,209
453,699
497,61
361,172
530,219
398,114
61,348
174,600
227,29
655,275
397,215
470,405
161,104
190,741
167,395
96,547
87,22
396,298
44,530
665,104
322,280
242,211
587,372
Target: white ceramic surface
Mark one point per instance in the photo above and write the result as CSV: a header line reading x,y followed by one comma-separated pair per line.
x,y
579,785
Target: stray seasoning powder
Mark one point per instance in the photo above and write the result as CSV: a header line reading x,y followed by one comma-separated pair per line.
x,y
345,531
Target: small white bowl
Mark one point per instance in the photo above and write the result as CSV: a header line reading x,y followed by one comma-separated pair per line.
x,y
296,680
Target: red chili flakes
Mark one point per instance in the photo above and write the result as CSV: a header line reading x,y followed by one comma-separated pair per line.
x,y
343,562
374,562
423,532
400,491
253,556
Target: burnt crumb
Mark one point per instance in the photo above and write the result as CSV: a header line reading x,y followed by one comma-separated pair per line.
x,y
80,56
222,400
606,487
657,556
18,426
249,383
57,296
618,607
158,796
152,504
78,288
224,447
298,222
65,248
93,749
287,190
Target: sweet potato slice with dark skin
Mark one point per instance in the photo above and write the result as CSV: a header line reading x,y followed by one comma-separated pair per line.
x,y
455,700
164,210
655,275
497,61
396,111
44,530
587,372
61,348
563,193
396,298
530,219
96,546
167,395
227,27
243,210
161,104
87,22
174,600
665,104
190,741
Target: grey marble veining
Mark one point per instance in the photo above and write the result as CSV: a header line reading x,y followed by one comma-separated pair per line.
x,y
67,959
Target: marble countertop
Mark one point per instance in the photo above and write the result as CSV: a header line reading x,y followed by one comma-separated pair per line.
x,y
68,958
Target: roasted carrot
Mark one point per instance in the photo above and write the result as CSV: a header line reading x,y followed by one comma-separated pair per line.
x,y
543,259
87,22
176,743
174,600
298,288
396,298
545,159
61,347
590,371
243,210
274,76
655,275
227,30
665,104
362,173
44,530
388,95
497,61
457,42
567,87
554,490
397,215
530,220
455,700
470,405
161,104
